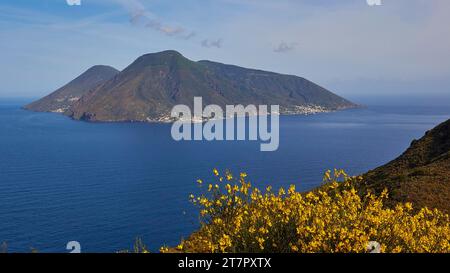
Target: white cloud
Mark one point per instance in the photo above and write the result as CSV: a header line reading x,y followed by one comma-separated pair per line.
x,y
214,43
139,14
284,47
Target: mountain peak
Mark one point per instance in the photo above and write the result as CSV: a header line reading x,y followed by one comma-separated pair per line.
x,y
168,57
169,52
101,68
163,55
61,99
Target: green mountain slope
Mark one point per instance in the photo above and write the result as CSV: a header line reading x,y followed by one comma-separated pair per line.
x,y
149,88
421,175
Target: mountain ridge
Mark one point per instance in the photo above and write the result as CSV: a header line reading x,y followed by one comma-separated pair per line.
x,y
60,100
150,86
420,175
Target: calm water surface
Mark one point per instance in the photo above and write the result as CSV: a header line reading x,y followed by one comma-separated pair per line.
x,y
106,184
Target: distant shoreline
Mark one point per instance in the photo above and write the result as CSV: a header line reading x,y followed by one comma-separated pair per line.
x,y
167,119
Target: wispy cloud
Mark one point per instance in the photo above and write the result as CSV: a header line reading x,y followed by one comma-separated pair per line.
x,y
215,43
284,47
344,42
140,15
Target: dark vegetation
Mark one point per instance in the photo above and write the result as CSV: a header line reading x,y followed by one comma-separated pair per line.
x,y
421,175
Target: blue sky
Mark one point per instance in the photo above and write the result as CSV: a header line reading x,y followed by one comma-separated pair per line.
x,y
401,48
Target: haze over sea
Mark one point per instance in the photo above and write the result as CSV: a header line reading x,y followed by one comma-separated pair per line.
x,y
106,184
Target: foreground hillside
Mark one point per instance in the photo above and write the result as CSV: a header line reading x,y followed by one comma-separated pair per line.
x,y
236,217
421,175
400,207
148,89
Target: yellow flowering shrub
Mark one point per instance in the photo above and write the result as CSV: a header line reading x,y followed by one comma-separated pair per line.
x,y
236,217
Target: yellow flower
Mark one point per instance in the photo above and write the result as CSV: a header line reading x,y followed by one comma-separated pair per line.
x,y
164,249
337,217
260,242
291,190
224,242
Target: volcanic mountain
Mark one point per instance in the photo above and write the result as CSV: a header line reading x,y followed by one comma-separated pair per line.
x,y
421,175
148,89
63,98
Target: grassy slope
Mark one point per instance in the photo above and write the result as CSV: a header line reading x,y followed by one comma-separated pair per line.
x,y
421,175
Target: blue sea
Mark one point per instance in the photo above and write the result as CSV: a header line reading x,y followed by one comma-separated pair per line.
x,y
104,185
